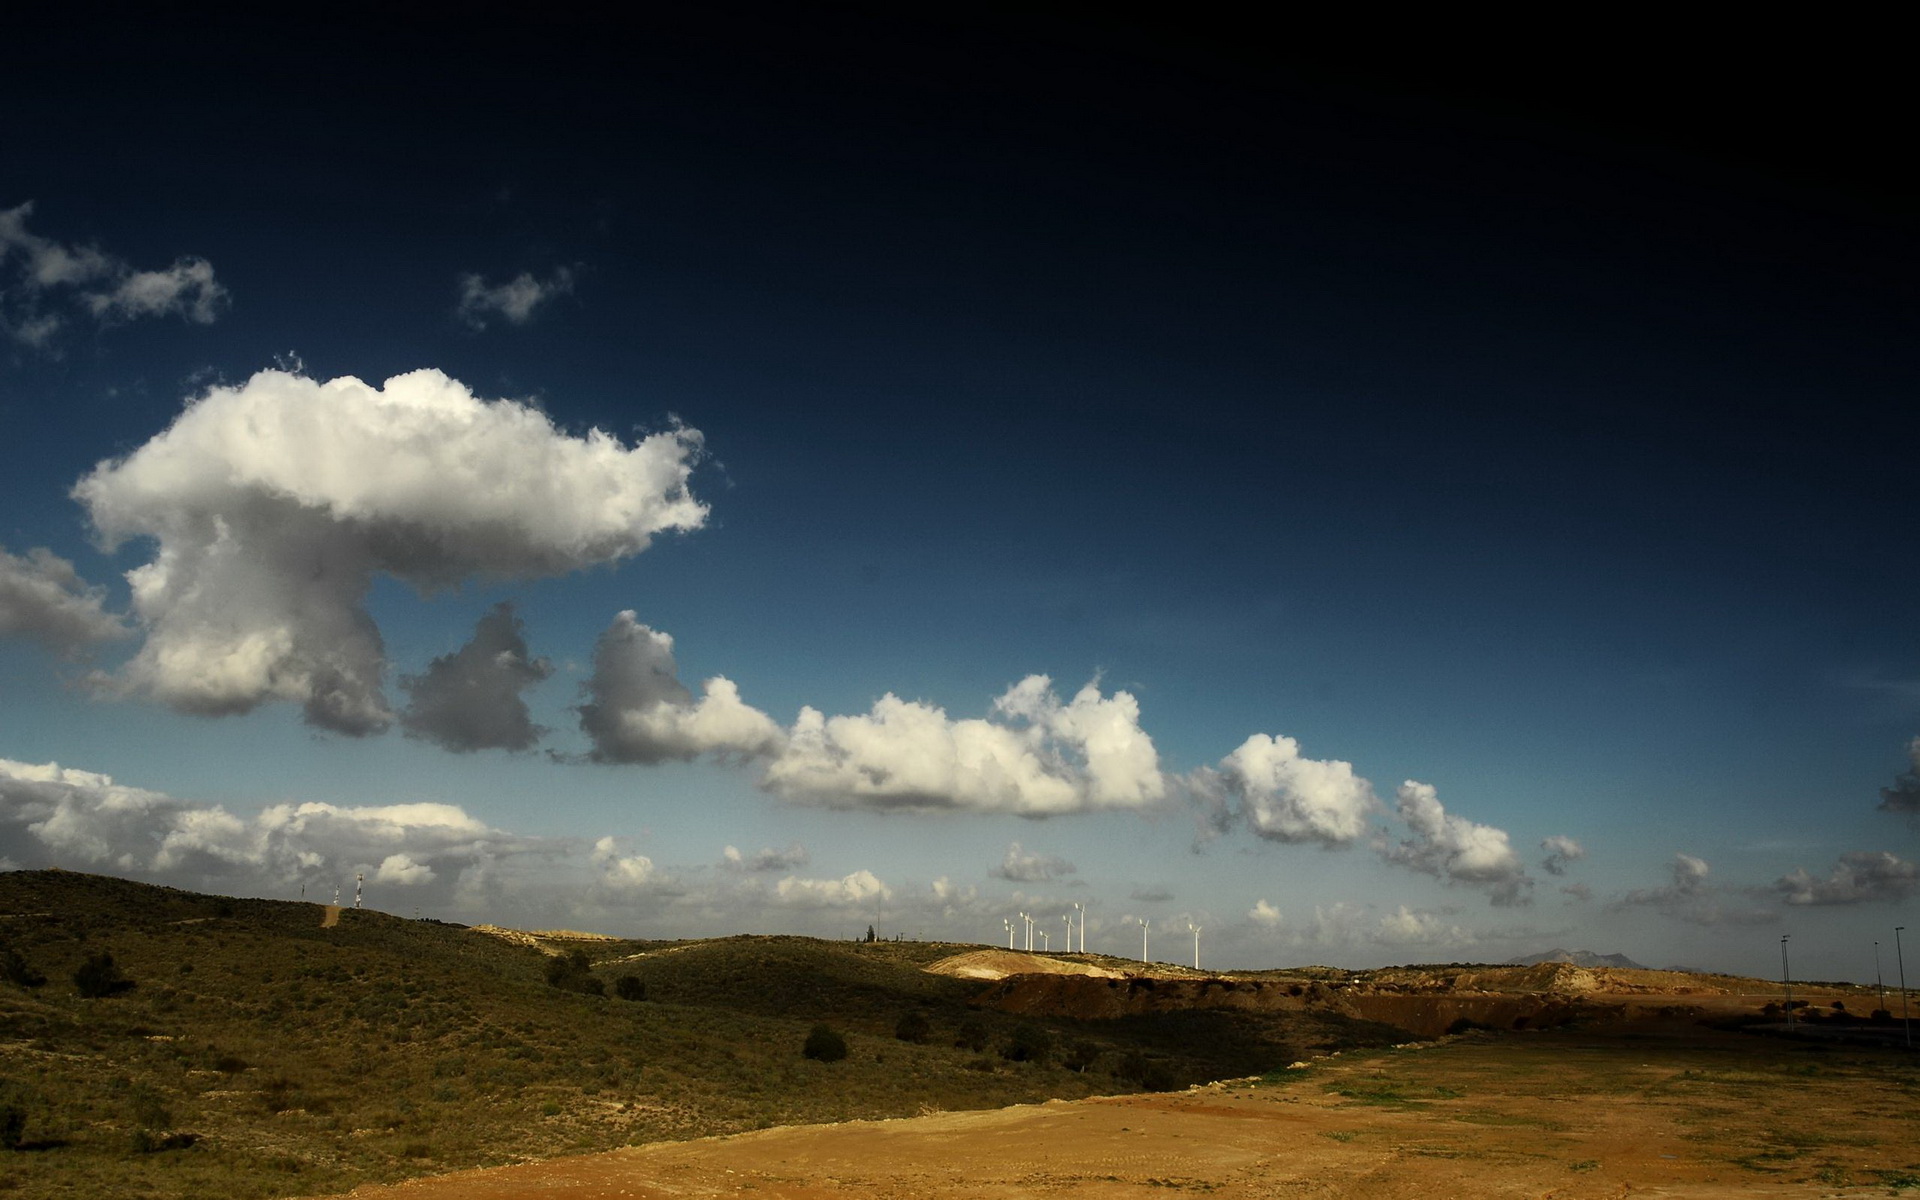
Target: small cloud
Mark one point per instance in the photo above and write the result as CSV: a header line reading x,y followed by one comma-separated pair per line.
x,y
401,869
638,711
470,700
1282,795
1578,891
1560,850
1152,894
42,597
1405,926
43,282
1023,867
793,856
1265,914
623,872
513,301
1904,795
1863,877
861,887
1455,849
1688,897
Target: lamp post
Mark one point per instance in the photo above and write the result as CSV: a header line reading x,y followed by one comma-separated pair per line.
x,y
1901,957
1786,976
1143,938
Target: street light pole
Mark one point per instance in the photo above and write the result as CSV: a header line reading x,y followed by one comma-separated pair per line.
x,y
1899,955
1786,976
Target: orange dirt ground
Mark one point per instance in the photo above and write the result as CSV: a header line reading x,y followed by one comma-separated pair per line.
x,y
1667,1110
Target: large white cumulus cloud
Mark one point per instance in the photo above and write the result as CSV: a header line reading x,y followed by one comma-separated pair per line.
x,y
638,711
274,503
1034,756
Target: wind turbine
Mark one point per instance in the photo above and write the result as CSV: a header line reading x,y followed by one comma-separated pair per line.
x,y
1008,922
1083,929
1068,918
1143,937
1196,944
1046,943
1029,920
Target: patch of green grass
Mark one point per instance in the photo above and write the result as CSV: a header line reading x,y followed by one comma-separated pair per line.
x,y
1585,1164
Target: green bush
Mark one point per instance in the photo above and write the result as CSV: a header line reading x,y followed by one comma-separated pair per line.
x,y
574,973
1081,1055
98,977
17,970
13,1126
1029,1043
630,987
913,1027
972,1035
825,1045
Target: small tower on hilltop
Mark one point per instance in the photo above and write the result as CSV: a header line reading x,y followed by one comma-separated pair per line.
x,y
359,881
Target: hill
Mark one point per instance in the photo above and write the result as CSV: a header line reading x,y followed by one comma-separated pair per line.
x,y
270,1048
1579,958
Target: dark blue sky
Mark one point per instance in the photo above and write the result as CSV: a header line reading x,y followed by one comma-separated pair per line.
x,y
1529,421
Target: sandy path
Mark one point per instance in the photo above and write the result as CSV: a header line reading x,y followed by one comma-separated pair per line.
x,y
332,918
1298,1139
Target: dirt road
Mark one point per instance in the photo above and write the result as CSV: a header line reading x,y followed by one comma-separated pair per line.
x,y
1561,1115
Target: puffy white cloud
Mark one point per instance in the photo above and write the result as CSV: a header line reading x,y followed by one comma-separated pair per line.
x,y
1265,914
1862,877
514,301
42,279
1283,796
795,855
638,711
185,289
1033,756
1023,867
1904,795
43,597
1561,850
401,869
273,504
470,699
1453,848
861,887
623,872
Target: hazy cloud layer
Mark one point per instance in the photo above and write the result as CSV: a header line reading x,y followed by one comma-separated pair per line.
x,y
273,504
1453,848
1904,795
1862,877
51,815
42,597
1033,756
470,699
45,283
513,301
1023,866
638,711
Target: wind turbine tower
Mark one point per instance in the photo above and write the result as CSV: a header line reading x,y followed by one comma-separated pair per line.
x,y
1143,938
1196,944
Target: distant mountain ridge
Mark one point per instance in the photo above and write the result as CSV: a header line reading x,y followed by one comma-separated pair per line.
x,y
1579,958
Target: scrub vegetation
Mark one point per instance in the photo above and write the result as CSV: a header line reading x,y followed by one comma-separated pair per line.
x,y
158,1043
